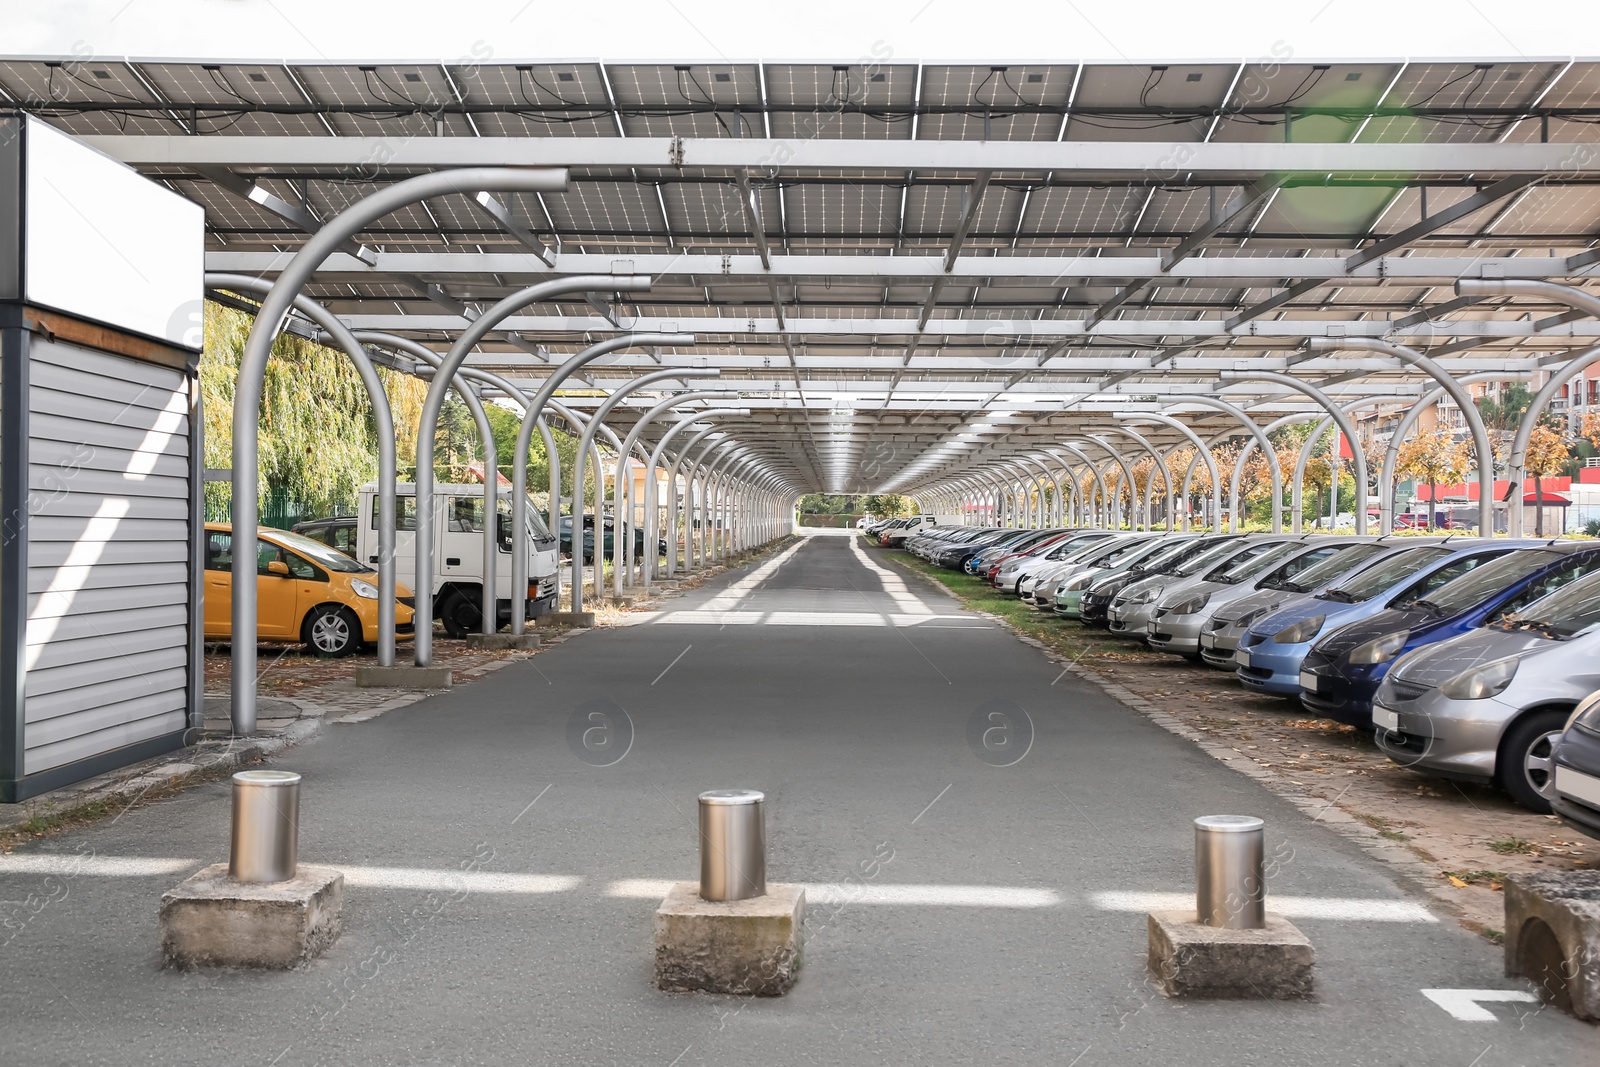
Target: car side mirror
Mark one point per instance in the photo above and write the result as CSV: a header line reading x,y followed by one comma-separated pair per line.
x,y
279,568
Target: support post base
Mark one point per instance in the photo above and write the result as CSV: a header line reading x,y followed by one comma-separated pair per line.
x,y
403,677
210,920
501,642
1553,937
567,618
1188,959
750,947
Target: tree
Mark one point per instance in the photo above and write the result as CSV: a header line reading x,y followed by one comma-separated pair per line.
x,y
1502,416
1435,457
1547,455
888,505
317,441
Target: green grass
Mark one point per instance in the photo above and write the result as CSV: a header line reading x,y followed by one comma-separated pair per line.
x,y
1065,636
1513,846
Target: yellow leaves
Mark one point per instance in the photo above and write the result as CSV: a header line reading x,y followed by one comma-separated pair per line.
x,y
1547,453
1458,883
1435,457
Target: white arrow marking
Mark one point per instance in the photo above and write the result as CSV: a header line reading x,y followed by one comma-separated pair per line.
x,y
1462,1003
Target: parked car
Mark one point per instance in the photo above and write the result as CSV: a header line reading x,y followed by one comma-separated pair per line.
x,y
1038,577
1006,572
1135,606
864,521
306,592
1272,649
1094,607
1220,633
1491,704
1015,541
900,529
609,538
1342,670
1064,594
1176,623
338,531
959,551
1577,793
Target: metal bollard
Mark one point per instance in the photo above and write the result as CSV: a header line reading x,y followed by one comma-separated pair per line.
x,y
733,845
1230,892
266,826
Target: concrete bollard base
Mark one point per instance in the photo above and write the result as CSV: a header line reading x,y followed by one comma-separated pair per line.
x,y
1188,959
503,641
567,618
210,920
1553,937
751,947
403,677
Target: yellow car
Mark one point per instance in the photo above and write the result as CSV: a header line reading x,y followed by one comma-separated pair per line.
x,y
305,591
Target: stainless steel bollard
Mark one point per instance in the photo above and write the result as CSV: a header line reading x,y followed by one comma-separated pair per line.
x,y
1230,892
733,845
266,826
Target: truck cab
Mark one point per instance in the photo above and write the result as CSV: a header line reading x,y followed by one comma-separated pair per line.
x,y
458,552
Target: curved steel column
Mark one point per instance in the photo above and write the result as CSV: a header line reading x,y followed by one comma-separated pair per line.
x,y
1346,427
1201,451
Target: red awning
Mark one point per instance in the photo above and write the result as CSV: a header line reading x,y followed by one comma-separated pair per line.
x,y
1548,500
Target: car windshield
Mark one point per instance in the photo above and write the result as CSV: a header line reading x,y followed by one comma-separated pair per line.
x,y
1344,559
1118,552
1375,579
1192,565
320,553
1250,565
1479,585
1571,610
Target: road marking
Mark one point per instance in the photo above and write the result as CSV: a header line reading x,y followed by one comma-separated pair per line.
x,y
931,803
674,663
957,896
1462,1003
1341,909
103,866
451,881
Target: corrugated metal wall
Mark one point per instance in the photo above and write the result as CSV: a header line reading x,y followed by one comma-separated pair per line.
x,y
108,474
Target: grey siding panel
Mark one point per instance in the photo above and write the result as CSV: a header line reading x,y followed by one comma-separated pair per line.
x,y
108,530
140,664
108,575
67,653
63,603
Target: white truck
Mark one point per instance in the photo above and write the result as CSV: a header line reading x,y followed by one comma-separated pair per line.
x,y
915,524
458,552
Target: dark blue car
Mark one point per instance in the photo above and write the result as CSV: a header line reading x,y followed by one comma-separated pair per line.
x,y
1342,671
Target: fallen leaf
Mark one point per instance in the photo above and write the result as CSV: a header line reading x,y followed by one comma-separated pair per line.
x,y
1458,883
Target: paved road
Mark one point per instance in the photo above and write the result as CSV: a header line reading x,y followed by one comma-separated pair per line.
x,y
844,693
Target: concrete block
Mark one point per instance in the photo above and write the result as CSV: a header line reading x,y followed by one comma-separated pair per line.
x,y
1553,937
750,946
210,920
1188,959
503,641
403,677
567,618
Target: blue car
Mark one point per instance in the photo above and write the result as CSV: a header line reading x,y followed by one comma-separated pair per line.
x,y
1342,671
1014,541
1272,650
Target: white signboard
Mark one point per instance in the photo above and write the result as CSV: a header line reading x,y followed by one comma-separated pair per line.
x,y
105,243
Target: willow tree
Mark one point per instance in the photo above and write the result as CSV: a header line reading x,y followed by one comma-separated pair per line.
x,y
317,439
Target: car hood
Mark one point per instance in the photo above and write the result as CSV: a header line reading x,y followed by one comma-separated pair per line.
x,y
1335,614
1384,622
1261,600
1434,664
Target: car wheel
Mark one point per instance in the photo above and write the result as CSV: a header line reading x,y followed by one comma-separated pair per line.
x,y
461,616
331,630
1524,766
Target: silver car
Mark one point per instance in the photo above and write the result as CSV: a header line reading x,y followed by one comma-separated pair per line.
x,y
1174,624
1034,588
1490,704
1221,633
1135,603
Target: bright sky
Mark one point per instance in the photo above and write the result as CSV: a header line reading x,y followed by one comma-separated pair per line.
x,y
817,30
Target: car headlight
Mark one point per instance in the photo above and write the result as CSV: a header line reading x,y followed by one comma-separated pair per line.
x,y
1190,605
364,590
1587,714
1079,583
1143,597
1481,682
1380,649
1304,630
